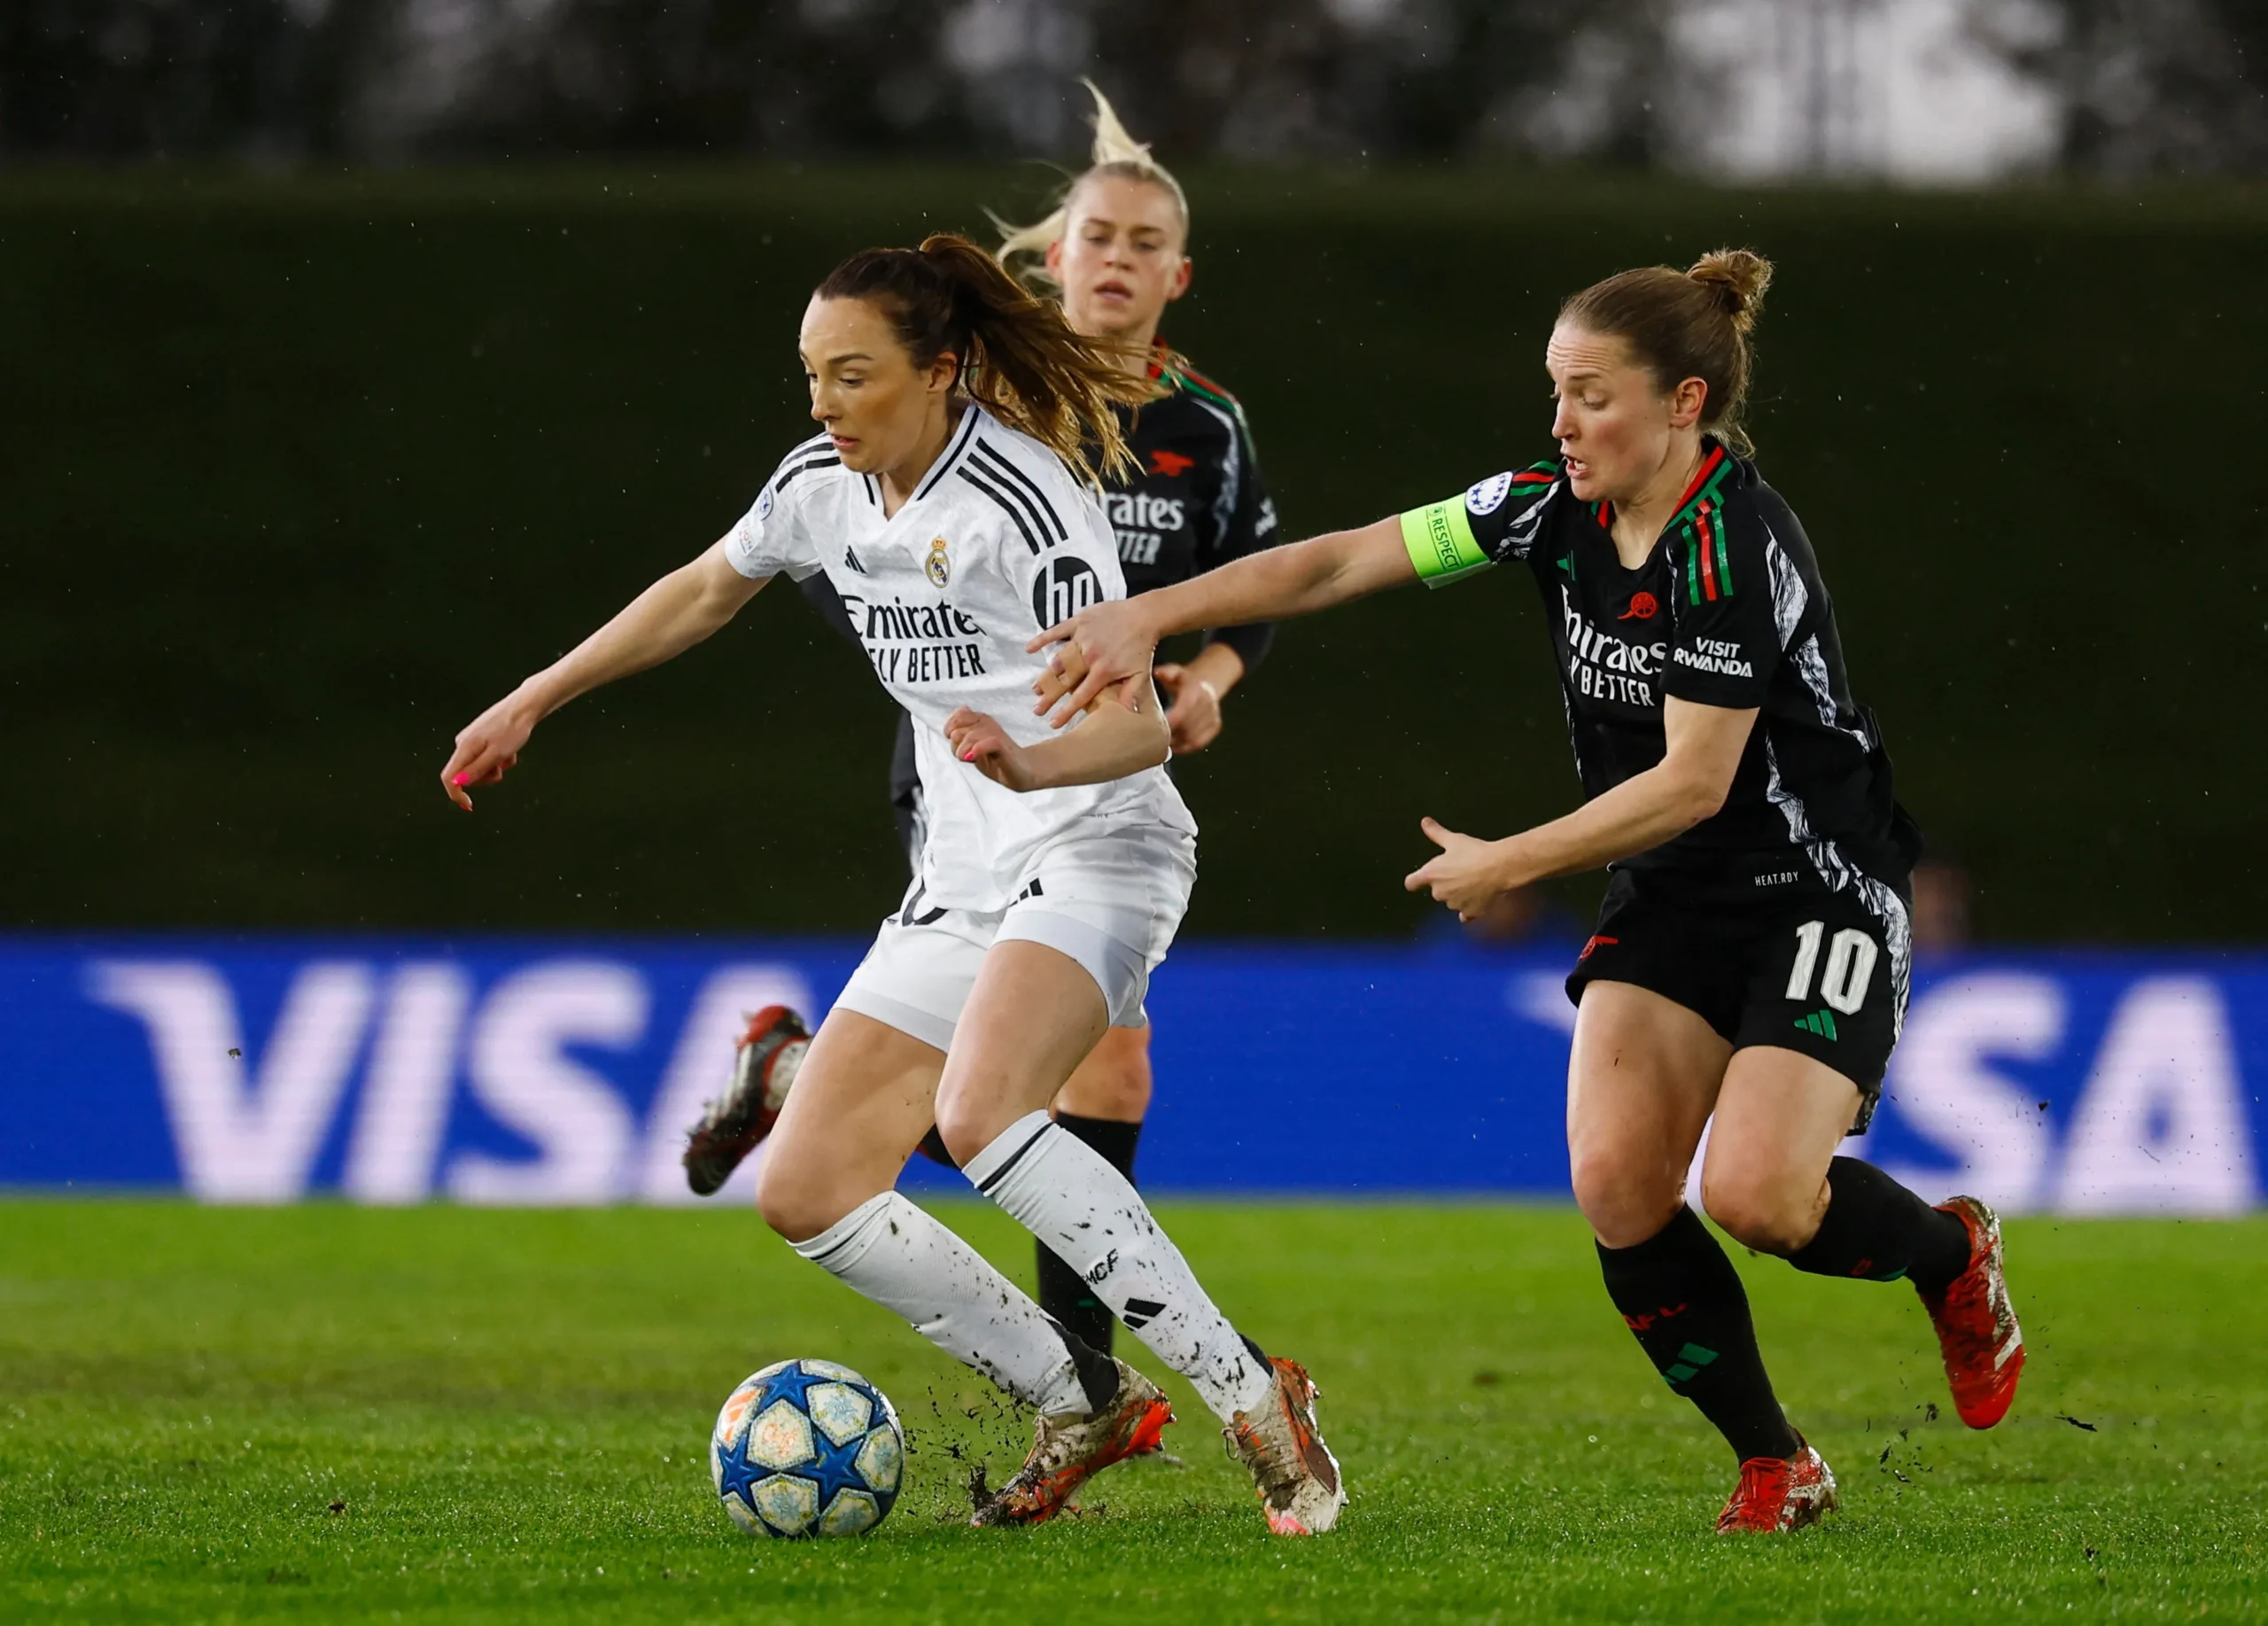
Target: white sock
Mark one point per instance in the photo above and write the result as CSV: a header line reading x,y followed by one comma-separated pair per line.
x,y
1066,1193
902,1258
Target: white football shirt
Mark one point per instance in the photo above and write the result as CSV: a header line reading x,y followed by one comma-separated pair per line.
x,y
999,541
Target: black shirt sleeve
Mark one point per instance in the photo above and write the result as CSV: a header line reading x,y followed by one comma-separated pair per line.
x,y
1249,525
823,597
1724,629
1496,519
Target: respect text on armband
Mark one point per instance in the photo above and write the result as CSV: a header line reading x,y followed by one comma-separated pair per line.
x,y
1439,541
1441,535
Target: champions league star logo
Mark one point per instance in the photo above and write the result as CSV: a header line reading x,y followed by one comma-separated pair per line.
x,y
938,569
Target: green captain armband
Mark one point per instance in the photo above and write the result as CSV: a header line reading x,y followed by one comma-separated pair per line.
x,y
1440,544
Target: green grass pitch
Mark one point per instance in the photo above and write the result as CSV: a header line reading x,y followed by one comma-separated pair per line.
x,y
331,1414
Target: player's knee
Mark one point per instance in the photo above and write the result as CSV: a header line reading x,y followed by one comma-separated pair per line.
x,y
1755,1210
1125,1095
791,1204
1625,1203
1117,1087
967,1127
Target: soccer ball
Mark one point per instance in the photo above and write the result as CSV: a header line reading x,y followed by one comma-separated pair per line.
x,y
807,1448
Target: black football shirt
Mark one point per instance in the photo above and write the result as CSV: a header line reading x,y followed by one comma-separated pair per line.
x,y
1727,610
1197,500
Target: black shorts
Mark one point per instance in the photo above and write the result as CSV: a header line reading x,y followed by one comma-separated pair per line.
x,y
906,807
1770,958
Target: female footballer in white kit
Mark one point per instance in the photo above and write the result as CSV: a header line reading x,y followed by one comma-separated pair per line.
x,y
942,504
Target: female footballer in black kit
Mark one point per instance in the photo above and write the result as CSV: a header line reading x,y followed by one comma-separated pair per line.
x,y
1116,250
1751,959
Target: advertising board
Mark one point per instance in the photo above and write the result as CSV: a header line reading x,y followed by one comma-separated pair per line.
x,y
266,1070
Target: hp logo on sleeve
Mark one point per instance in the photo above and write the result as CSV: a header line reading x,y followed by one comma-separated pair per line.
x,y
1063,588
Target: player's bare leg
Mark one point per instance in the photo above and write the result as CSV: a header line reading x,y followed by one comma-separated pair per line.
x,y
1780,1115
1033,1015
1642,1079
1114,1081
862,1099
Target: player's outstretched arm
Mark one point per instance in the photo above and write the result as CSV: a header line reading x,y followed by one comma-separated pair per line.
x,y
666,619
1117,638
1687,785
1122,733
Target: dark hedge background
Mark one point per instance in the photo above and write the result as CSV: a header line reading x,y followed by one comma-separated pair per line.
x,y
298,475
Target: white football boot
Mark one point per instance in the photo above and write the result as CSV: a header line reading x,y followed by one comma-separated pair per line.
x,y
1292,1470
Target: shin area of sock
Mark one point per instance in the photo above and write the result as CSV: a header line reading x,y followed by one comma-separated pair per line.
x,y
900,1257
1063,1293
1680,1298
1068,1195
1875,1230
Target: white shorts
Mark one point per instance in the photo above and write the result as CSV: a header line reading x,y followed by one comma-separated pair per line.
x,y
1112,902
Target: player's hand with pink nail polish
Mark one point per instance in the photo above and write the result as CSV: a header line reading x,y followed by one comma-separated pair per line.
x,y
486,746
978,740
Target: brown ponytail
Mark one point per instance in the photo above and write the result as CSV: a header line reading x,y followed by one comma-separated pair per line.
x,y
1019,358
1687,325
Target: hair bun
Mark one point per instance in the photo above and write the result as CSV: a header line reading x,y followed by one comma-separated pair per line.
x,y
1739,275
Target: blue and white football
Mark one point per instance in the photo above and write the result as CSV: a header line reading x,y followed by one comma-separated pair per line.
x,y
807,1448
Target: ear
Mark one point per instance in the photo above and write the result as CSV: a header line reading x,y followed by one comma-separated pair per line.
x,y
1686,403
1180,283
1054,260
944,372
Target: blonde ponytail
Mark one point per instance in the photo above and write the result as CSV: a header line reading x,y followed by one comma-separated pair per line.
x,y
1115,152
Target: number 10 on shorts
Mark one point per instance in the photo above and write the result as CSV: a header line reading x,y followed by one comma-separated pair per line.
x,y
1850,966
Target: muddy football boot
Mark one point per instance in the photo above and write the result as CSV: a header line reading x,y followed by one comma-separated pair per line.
x,y
1070,1448
1294,1472
764,1061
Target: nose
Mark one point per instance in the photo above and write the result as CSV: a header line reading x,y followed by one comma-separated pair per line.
x,y
1562,426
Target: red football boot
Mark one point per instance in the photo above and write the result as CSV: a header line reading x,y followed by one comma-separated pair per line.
x,y
1976,1325
764,1063
1778,1493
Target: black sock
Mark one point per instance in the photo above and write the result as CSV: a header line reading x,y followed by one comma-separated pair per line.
x,y
1682,1298
1878,1231
1098,1373
1063,1293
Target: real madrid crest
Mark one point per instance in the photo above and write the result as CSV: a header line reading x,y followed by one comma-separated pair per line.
x,y
939,570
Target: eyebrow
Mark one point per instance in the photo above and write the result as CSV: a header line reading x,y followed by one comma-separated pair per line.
x,y
853,355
